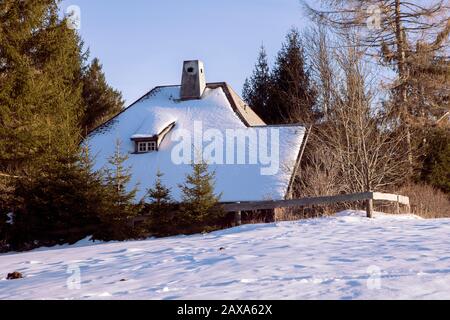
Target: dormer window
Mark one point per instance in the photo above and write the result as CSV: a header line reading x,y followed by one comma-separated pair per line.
x,y
145,141
146,146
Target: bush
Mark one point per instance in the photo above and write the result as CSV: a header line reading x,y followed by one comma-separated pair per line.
x,y
427,201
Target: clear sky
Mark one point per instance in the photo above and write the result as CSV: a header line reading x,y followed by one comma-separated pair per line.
x,y
142,43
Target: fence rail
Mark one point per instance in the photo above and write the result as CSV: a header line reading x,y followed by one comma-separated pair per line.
x,y
369,197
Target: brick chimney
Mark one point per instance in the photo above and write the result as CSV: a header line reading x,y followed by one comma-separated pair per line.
x,y
193,81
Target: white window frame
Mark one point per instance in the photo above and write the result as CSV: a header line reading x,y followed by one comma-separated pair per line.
x,y
146,146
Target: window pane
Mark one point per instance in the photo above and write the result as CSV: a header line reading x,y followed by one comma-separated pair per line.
x,y
142,147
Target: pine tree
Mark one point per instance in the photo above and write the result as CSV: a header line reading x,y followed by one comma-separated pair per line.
x,y
200,210
292,97
256,90
121,208
101,101
161,207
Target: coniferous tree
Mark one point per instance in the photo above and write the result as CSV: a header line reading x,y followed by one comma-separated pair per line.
x,y
40,91
60,205
41,108
101,101
161,207
200,210
436,163
292,97
256,90
115,220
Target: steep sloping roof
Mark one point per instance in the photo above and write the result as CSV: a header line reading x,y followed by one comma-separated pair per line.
x,y
236,182
247,115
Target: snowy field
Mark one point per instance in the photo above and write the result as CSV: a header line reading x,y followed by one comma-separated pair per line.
x,y
344,257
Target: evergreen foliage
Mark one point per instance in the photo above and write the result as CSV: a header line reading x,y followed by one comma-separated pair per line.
x,y
293,97
199,210
58,206
119,207
101,101
161,208
40,70
287,94
436,164
257,88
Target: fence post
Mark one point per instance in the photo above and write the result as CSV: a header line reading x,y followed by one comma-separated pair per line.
x,y
369,208
238,217
398,204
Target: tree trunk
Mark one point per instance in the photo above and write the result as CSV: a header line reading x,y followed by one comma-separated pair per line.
x,y
403,74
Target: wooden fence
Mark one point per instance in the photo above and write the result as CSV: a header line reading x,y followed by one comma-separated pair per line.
x,y
368,197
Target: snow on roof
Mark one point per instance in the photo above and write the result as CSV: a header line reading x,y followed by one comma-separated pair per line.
x,y
161,107
153,124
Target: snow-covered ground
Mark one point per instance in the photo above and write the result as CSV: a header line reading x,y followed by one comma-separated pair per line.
x,y
344,257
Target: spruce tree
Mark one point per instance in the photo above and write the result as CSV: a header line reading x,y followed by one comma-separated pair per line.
x,y
200,209
161,207
101,101
115,220
61,205
256,90
40,91
292,98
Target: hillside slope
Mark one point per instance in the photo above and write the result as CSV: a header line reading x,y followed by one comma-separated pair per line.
x,y
344,257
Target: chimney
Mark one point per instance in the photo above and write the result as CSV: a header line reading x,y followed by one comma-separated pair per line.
x,y
193,81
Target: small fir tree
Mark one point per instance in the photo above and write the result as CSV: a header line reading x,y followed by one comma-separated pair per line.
x,y
116,220
200,210
161,207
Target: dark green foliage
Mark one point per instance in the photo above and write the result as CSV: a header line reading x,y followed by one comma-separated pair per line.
x,y
436,163
200,210
101,101
45,89
293,97
4,232
256,91
287,94
40,91
119,208
161,208
58,206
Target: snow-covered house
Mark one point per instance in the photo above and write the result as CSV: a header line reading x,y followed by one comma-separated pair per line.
x,y
171,126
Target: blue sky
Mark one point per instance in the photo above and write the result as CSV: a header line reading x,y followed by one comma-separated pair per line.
x,y
143,43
